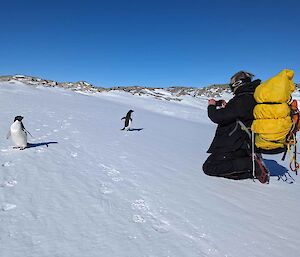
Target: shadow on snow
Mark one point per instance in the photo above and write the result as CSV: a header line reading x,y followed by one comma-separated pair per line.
x,y
278,170
275,168
30,145
135,129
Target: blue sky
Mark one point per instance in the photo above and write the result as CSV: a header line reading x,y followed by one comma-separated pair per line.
x,y
149,43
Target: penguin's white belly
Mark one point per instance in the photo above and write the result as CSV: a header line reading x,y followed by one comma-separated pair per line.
x,y
18,135
128,127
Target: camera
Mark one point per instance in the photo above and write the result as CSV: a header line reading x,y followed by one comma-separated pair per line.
x,y
219,103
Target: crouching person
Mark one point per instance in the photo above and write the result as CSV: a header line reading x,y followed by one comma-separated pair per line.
x,y
230,150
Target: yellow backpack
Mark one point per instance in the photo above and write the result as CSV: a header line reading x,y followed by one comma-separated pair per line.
x,y
274,125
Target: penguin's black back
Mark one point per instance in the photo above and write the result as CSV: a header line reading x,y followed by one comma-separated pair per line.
x,y
128,118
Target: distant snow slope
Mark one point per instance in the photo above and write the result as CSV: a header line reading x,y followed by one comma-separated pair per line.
x,y
99,191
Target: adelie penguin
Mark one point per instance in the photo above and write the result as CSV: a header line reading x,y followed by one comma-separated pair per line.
x,y
18,133
128,120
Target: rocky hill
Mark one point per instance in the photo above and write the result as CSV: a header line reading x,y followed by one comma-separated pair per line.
x,y
170,93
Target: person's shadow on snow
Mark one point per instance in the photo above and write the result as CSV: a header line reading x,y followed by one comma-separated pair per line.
x,y
31,145
275,168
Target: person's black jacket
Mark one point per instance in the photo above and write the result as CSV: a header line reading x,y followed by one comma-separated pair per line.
x,y
229,136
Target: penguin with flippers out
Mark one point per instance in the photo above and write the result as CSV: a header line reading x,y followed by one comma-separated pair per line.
x,y
128,120
18,133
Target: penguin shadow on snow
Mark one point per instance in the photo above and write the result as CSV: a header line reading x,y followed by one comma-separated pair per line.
x,y
135,129
32,145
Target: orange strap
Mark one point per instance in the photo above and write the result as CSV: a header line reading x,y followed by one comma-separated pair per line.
x,y
294,156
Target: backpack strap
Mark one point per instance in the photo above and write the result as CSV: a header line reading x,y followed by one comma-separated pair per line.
x,y
291,139
251,136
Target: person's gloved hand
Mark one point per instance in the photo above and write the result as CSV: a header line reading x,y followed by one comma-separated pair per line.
x,y
211,102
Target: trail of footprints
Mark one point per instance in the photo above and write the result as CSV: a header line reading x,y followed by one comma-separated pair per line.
x,y
111,172
142,214
7,183
10,183
141,211
63,125
145,214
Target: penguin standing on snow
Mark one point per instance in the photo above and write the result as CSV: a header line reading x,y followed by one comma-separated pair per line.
x,y
18,133
128,120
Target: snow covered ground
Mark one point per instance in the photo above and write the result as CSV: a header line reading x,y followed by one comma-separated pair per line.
x,y
99,191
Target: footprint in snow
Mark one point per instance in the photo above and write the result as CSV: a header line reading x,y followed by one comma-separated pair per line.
x,y
74,155
145,214
159,225
105,188
7,164
7,151
138,219
113,173
10,183
50,114
8,207
140,205
76,145
40,150
65,124
116,179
